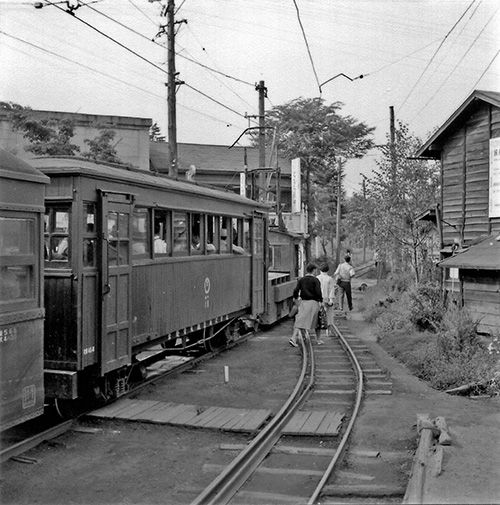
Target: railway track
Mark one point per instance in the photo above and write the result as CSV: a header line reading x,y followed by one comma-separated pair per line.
x,y
294,459
257,473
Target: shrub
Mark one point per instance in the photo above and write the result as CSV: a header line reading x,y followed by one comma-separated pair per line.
x,y
426,306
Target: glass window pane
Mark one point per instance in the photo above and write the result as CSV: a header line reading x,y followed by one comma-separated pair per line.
x,y
140,233
89,252
212,234
123,257
59,248
225,235
246,235
197,238
162,240
123,220
180,232
16,283
16,236
112,226
61,221
89,218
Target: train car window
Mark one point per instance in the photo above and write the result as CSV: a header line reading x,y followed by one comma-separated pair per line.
x,y
236,236
180,229
197,234
118,238
225,235
17,245
247,244
212,234
89,235
57,235
162,241
141,230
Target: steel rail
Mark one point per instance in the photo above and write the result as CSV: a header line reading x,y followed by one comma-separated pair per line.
x,y
359,393
230,480
29,443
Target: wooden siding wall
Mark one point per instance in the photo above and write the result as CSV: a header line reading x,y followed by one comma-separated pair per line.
x,y
170,296
465,176
481,296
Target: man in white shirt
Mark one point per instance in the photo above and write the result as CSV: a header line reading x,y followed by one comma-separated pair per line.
x,y
343,275
328,292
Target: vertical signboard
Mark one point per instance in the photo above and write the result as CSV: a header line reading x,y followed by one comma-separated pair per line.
x,y
296,196
494,197
243,184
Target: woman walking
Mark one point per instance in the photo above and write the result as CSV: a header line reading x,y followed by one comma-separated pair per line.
x,y
309,290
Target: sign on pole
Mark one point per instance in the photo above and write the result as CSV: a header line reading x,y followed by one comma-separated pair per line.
x,y
296,189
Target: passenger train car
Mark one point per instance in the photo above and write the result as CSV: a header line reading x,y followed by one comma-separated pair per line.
x,y
22,190
130,260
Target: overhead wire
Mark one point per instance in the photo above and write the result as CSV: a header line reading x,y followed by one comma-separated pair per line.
x,y
161,45
434,55
142,12
485,70
220,81
307,45
145,59
109,76
456,65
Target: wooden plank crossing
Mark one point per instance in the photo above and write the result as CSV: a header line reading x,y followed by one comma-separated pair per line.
x,y
315,423
220,418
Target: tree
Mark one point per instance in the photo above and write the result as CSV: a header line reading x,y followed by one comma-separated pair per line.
x,y
47,137
308,129
155,133
101,147
402,188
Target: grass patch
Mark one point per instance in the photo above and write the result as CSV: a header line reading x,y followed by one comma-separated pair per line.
x,y
438,344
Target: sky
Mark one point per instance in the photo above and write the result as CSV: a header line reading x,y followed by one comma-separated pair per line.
x,y
423,57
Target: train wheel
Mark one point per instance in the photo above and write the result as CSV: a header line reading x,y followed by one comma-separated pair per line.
x,y
216,341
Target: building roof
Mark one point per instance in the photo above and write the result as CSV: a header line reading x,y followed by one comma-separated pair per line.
x,y
485,255
209,157
432,148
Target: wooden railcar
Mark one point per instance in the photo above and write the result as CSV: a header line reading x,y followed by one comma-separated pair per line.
x,y
284,263
134,259
22,191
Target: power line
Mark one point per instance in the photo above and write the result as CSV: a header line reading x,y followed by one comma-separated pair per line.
x,y
142,12
123,46
127,83
161,45
434,55
307,45
485,70
456,65
145,59
214,100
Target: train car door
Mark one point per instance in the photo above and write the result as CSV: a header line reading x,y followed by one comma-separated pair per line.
x,y
116,280
259,270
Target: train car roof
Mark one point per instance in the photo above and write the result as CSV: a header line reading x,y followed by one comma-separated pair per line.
x,y
72,165
12,167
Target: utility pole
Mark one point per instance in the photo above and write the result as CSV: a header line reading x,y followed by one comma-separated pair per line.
x,y
364,224
339,198
392,131
261,184
172,88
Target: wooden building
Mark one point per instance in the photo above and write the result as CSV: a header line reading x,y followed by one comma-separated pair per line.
x,y
468,145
